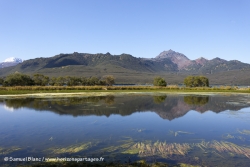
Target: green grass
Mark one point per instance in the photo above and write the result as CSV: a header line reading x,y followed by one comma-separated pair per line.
x,y
78,89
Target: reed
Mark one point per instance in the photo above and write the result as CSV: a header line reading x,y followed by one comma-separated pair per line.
x,y
47,89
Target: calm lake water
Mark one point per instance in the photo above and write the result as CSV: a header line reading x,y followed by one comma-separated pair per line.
x,y
208,130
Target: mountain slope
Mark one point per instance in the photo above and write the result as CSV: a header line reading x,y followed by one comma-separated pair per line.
x,y
169,64
101,61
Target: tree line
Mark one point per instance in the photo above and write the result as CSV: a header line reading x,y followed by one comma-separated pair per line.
x,y
18,79
189,81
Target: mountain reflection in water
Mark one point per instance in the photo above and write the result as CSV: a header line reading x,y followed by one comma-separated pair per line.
x,y
122,126
166,106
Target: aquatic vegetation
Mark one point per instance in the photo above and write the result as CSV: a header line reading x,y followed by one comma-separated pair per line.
x,y
229,136
231,147
73,148
162,149
179,132
131,151
244,132
218,154
123,148
139,130
223,146
5,151
187,165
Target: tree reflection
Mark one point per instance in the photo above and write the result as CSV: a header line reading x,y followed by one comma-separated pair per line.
x,y
109,100
168,107
39,103
159,99
196,100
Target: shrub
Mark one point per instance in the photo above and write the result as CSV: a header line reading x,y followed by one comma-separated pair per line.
x,y
196,81
158,81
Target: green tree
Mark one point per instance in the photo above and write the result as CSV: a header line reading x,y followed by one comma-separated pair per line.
x,y
158,81
84,81
109,80
1,81
73,81
18,79
102,82
188,81
196,81
40,79
52,81
204,81
60,81
92,81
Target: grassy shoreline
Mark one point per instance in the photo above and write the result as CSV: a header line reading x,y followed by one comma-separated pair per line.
x,y
34,90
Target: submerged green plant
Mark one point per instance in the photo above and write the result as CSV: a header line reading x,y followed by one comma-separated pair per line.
x,y
187,165
73,148
229,136
162,149
244,132
223,146
5,151
179,132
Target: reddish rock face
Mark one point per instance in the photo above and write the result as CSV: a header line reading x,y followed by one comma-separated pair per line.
x,y
201,61
179,59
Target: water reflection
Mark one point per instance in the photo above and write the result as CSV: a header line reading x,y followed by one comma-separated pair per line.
x,y
196,100
159,99
101,127
170,107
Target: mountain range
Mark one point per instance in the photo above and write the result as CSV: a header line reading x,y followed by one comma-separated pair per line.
x,y
129,69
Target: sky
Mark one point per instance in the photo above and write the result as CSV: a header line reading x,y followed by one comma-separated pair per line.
x,y
142,28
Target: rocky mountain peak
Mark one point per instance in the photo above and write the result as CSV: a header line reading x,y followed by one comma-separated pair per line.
x,y
201,61
178,58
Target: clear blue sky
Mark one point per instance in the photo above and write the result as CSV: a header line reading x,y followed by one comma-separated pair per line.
x,y
142,28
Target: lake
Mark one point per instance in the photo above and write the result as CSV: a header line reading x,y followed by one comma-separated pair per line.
x,y
208,130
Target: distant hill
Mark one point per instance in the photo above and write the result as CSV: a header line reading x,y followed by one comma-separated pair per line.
x,y
169,64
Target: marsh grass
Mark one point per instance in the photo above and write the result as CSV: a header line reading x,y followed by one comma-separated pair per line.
x,y
74,89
